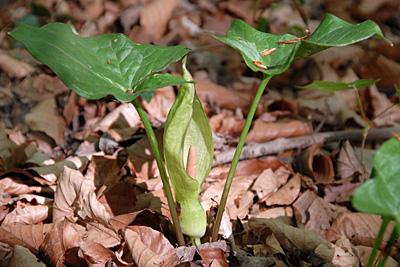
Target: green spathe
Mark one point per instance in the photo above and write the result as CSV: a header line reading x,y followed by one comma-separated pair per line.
x,y
187,126
107,64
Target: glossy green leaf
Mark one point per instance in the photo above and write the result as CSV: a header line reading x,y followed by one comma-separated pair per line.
x,y
381,193
331,86
187,125
107,64
332,31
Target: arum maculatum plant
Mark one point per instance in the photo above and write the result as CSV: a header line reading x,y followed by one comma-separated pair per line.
x,y
109,64
272,54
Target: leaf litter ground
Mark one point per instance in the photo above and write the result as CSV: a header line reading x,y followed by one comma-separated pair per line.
x,y
288,208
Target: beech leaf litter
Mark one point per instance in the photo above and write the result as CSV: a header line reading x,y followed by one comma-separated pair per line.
x,y
79,185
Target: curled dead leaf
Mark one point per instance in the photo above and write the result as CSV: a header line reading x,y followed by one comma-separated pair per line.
x,y
63,236
287,194
265,131
76,194
27,214
149,247
14,67
213,257
223,97
45,118
33,235
155,16
318,165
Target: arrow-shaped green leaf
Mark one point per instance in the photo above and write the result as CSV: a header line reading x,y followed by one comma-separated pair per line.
x,y
332,31
381,194
187,126
107,64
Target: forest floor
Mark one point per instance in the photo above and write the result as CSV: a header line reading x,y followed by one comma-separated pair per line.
x,y
305,154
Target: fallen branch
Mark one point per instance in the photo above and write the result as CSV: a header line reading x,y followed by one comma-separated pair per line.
x,y
282,144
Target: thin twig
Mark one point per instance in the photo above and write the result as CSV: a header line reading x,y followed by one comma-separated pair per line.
x,y
284,144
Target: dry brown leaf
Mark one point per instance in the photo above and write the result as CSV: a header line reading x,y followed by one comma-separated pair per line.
x,y
27,214
94,253
289,237
16,187
267,183
33,235
381,68
318,165
232,126
87,9
249,167
53,171
186,254
364,252
142,158
149,247
10,239
130,16
155,16
221,96
70,110
106,236
45,118
213,193
340,193
14,67
160,104
360,228
243,9
243,205
265,131
348,165
62,237
345,254
321,214
120,198
302,204
286,194
283,16
105,170
273,213
331,108
75,194
121,123
385,112
144,217
213,257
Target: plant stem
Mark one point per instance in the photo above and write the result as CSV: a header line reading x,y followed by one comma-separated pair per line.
x,y
161,167
378,241
235,160
393,237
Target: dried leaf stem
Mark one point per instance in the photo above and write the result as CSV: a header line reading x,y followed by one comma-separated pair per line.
x,y
239,148
160,163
